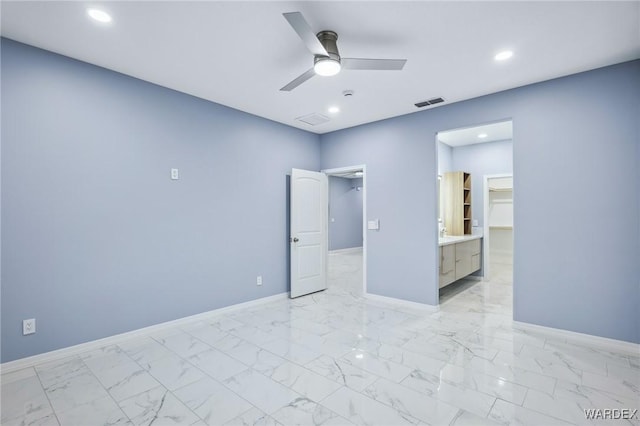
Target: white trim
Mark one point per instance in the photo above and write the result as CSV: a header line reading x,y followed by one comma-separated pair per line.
x,y
402,302
342,170
363,167
439,221
346,250
364,228
589,339
485,226
31,361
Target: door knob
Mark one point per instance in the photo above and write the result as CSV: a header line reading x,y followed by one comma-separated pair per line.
x,y
295,239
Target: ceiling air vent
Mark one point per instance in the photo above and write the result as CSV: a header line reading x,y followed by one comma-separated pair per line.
x,y
429,102
313,119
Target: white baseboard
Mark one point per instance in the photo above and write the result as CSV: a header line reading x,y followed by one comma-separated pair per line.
x,y
402,302
346,250
589,339
31,361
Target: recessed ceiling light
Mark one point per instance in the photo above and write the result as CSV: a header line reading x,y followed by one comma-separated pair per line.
x,y
99,15
504,55
334,109
482,135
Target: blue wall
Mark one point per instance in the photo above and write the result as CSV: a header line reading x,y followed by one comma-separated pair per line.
x,y
445,158
345,212
481,159
576,161
96,239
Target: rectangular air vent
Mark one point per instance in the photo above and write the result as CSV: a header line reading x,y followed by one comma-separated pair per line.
x,y
429,102
313,119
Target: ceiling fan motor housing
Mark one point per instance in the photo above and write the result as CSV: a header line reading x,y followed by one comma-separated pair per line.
x,y
328,39
326,58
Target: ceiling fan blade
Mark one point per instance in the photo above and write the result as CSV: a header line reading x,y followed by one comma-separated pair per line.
x,y
299,80
372,64
304,31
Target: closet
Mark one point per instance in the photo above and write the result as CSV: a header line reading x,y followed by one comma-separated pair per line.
x,y
501,220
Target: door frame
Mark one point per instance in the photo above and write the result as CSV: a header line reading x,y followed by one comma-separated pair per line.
x,y
485,226
356,168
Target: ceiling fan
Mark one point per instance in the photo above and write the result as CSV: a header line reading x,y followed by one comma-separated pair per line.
x,y
326,58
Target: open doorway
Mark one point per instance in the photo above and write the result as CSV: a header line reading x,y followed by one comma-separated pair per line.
x,y
498,228
475,214
346,260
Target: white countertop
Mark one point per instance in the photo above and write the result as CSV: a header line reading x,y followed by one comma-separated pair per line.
x,y
445,241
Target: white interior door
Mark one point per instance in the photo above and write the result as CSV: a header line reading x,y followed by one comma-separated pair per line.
x,y
309,236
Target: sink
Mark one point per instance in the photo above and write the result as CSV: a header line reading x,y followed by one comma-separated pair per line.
x,y
450,239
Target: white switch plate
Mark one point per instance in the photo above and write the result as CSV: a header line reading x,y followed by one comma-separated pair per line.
x,y
175,174
259,280
373,224
475,222
28,326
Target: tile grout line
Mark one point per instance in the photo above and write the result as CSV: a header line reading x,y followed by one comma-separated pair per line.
x,y
209,376
160,384
105,388
55,414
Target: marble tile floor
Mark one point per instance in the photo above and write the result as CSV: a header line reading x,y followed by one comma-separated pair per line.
x,y
335,358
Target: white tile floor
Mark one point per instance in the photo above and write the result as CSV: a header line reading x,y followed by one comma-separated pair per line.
x,y
335,358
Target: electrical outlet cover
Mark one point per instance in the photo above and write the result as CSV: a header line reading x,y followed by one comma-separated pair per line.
x,y
28,326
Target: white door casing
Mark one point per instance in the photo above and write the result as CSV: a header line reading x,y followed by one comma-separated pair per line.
x,y
309,234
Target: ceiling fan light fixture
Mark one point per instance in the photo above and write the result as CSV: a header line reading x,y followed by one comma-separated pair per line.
x,y
326,66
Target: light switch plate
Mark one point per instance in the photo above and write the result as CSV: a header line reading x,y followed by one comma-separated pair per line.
x,y
175,174
373,224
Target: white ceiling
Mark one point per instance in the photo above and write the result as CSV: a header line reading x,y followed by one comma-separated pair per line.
x,y
241,53
502,131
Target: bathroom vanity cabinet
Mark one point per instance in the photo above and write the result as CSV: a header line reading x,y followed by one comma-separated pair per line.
x,y
459,257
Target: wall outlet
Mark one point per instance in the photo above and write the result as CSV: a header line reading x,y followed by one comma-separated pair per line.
x,y
28,326
259,280
175,174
